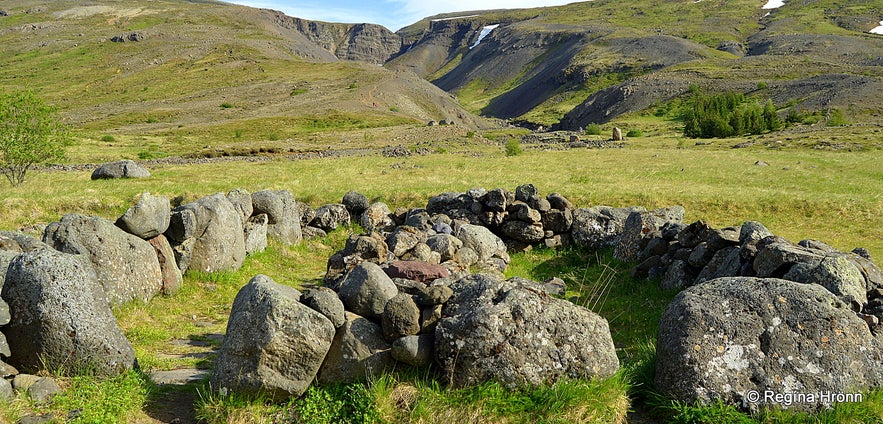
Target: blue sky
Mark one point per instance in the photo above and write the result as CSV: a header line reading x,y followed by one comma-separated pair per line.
x,y
393,14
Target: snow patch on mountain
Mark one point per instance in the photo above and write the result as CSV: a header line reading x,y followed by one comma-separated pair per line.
x,y
484,33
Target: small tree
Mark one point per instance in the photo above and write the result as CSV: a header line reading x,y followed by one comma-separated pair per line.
x,y
30,134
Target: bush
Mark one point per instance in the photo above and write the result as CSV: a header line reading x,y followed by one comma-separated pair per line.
x,y
836,118
108,138
226,105
634,133
30,134
593,129
513,147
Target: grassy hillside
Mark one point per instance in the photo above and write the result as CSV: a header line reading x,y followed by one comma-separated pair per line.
x,y
203,74
541,64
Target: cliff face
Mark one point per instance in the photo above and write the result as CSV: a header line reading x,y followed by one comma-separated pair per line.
x,y
363,42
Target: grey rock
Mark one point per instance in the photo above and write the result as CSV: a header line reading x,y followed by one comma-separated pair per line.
x,y
126,265
377,218
558,221
638,226
358,353
719,239
722,339
306,214
401,317
415,350
58,296
148,218
775,256
444,203
6,257
219,240
753,231
171,275
466,256
497,200
17,242
599,227
7,370
701,255
872,273
6,390
509,332
403,239
482,241
678,276
255,233
725,263
282,212
241,200
22,382
522,212
524,192
429,318
423,253
43,390
558,201
5,316
435,295
310,233
326,302
120,169
555,286
694,234
4,345
523,231
366,289
274,344
835,273
419,219
329,217
356,203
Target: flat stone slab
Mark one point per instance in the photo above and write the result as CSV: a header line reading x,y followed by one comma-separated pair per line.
x,y
178,377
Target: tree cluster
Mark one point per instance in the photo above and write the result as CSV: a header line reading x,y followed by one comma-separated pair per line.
x,y
728,115
30,134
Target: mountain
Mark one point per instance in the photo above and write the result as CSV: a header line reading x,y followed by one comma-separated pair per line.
x,y
203,68
208,70
591,62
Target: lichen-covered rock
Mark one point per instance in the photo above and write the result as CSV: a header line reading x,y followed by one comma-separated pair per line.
x,y
401,317
599,227
283,214
326,302
328,217
482,241
120,169
274,344
147,218
57,296
214,230
358,353
255,233
729,337
126,265
355,203
377,218
366,289
403,239
510,332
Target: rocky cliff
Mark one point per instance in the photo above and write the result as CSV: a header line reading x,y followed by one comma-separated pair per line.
x,y
363,42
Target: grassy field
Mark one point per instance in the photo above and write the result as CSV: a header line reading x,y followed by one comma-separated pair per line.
x,y
833,196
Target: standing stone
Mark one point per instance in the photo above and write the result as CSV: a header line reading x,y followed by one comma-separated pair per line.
x,y
256,234
511,332
617,134
217,233
241,200
274,344
723,339
148,218
282,212
57,296
126,265
171,275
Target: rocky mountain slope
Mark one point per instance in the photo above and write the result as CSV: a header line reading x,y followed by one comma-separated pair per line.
x,y
182,68
593,61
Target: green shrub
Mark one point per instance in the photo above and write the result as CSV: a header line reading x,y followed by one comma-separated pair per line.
x,y
727,115
593,129
762,85
108,138
470,134
513,147
836,118
226,105
634,133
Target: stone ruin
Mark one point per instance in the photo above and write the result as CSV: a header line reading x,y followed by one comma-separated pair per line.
x,y
424,286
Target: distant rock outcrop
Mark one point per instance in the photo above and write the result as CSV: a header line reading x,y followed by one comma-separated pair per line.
x,y
120,169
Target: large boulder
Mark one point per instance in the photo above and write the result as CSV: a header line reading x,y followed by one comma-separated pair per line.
x,y
328,217
599,227
212,230
732,338
511,332
148,218
282,212
481,240
274,344
61,318
120,169
127,266
366,289
358,353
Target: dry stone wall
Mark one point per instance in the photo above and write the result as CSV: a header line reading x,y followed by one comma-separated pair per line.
x,y
424,287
